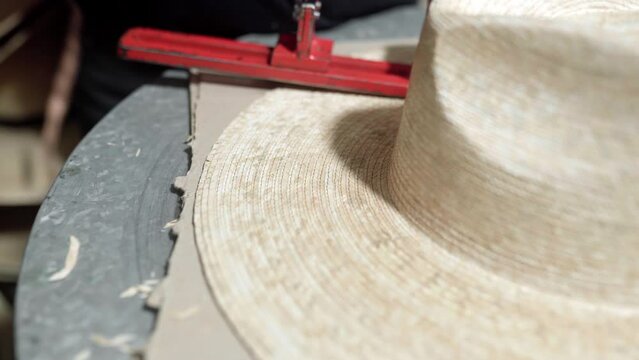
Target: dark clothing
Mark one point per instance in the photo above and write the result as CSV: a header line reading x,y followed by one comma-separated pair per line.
x,y
104,79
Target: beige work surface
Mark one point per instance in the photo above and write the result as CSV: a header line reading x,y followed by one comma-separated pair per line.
x,y
190,325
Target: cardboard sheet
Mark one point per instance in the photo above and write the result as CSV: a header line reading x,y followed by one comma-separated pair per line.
x,y
190,325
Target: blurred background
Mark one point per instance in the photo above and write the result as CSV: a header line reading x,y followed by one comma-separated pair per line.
x,y
34,92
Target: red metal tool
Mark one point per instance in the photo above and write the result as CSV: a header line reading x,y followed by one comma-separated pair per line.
x,y
301,58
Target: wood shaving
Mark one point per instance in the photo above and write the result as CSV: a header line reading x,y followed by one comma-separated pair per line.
x,y
70,261
143,289
170,224
83,355
119,342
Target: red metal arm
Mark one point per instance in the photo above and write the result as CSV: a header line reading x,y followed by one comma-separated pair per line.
x,y
301,59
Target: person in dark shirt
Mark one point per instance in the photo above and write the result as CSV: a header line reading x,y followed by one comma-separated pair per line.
x,y
104,80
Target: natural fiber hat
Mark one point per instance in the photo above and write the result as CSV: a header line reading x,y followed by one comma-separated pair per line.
x,y
494,215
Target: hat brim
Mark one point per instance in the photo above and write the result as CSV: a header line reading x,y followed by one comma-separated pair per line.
x,y
308,258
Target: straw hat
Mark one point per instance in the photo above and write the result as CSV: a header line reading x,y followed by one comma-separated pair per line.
x,y
493,215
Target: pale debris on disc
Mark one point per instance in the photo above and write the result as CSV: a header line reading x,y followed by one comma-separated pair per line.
x,y
170,224
70,261
83,355
118,342
143,289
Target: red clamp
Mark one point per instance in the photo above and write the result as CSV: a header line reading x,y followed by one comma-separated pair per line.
x,y
303,50
301,58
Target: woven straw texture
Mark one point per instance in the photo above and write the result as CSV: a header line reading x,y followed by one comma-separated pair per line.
x,y
493,215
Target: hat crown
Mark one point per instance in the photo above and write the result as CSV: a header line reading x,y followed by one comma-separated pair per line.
x,y
519,143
